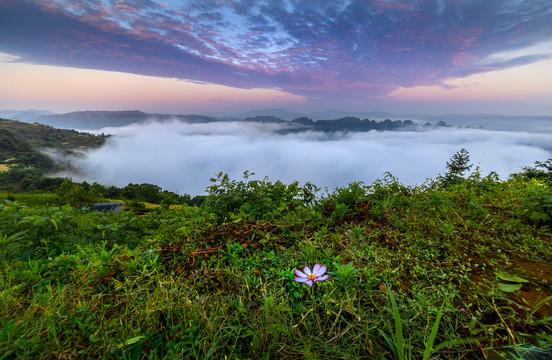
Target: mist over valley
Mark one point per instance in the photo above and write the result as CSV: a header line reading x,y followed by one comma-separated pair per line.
x,y
182,152
182,157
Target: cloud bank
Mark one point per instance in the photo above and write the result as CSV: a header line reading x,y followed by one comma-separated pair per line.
x,y
182,157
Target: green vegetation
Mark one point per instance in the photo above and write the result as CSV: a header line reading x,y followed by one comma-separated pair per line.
x,y
50,137
450,270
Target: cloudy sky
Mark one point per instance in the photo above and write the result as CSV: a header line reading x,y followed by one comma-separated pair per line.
x,y
209,56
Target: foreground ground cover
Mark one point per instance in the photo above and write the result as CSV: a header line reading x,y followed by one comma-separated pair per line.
x,y
448,270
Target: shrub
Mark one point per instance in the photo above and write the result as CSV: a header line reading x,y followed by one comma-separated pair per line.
x,y
537,203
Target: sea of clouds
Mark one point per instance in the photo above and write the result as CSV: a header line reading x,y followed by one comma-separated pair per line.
x,y
183,157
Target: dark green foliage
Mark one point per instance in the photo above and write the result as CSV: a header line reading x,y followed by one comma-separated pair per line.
x,y
39,232
542,170
15,149
20,151
537,196
143,192
46,136
351,195
537,204
147,193
20,178
76,195
259,199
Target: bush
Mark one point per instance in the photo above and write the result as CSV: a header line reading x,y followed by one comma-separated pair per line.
x,y
537,204
542,170
259,199
351,195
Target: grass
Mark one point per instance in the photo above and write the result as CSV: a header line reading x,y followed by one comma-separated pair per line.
x,y
36,198
415,273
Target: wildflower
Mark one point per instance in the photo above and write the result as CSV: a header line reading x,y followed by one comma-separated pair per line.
x,y
309,277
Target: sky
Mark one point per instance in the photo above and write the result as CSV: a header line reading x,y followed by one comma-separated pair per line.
x,y
227,56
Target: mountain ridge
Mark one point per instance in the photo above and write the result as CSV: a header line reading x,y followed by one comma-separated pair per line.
x,y
95,120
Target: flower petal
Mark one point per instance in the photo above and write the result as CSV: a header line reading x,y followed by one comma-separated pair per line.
x,y
325,277
321,271
301,279
307,271
315,269
301,274
309,283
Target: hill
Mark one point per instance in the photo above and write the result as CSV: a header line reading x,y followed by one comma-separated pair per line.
x,y
24,115
95,120
27,151
49,137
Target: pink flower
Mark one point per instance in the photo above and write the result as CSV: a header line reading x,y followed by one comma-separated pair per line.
x,y
309,277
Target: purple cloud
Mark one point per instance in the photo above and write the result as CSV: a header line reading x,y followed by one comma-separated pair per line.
x,y
340,48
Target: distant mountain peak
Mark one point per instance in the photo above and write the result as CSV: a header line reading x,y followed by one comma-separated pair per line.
x,y
275,112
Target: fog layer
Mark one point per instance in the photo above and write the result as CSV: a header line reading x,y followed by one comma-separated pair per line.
x,y
182,157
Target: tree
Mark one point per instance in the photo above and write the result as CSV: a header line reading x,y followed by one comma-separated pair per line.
x,y
458,164
75,195
541,171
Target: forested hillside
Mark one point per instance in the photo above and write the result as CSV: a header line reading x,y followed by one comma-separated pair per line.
x,y
48,136
23,158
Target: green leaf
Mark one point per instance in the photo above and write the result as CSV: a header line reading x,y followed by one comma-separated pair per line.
x,y
429,345
255,341
130,341
544,321
511,278
399,340
509,287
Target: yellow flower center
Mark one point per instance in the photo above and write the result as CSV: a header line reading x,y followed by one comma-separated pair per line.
x,y
312,277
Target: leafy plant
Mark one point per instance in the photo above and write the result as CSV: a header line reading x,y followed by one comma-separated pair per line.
x,y
351,195
402,349
541,170
537,203
344,275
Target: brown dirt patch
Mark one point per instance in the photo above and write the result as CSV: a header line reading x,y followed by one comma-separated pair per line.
x,y
539,288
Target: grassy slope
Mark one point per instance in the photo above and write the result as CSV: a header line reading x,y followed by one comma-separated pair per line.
x,y
217,281
23,149
47,136
21,143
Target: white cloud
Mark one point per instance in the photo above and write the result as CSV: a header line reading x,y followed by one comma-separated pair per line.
x,y
6,58
182,157
544,49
